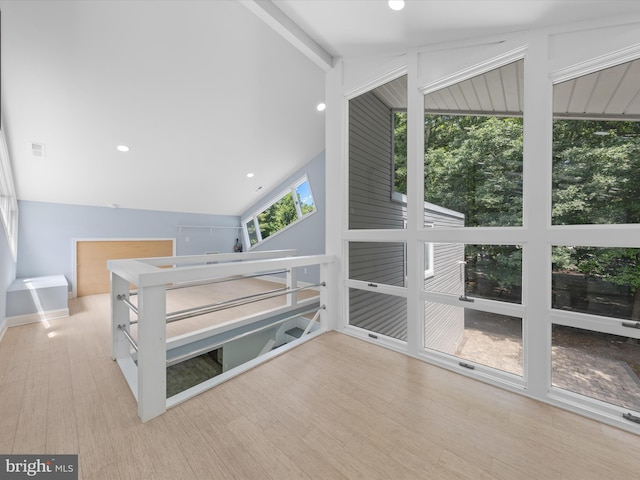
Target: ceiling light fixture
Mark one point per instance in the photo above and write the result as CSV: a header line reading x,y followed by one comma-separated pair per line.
x,y
249,175
321,107
122,148
396,4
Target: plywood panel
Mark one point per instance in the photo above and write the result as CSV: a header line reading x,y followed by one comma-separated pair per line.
x,y
92,274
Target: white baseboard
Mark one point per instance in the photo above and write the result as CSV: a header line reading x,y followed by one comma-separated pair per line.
x,y
36,317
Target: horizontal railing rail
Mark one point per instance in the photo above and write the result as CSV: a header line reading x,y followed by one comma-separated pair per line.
x,y
141,273
235,302
186,260
128,336
224,280
222,305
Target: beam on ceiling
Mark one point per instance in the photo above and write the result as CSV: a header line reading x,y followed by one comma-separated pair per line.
x,y
268,12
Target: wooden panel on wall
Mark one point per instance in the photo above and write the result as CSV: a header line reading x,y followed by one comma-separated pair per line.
x,y
92,275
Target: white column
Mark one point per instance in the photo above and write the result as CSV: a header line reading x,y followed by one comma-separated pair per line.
x,y
152,352
336,172
538,96
415,205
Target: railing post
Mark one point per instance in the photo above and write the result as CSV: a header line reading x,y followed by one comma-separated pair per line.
x,y
152,352
119,316
329,296
292,284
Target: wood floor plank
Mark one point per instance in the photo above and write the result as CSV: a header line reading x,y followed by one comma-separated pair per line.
x,y
31,429
61,428
11,400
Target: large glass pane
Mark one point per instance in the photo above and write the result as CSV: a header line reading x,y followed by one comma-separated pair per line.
x,y
377,141
378,262
305,198
251,231
486,338
492,272
379,313
598,365
473,150
277,216
596,148
599,281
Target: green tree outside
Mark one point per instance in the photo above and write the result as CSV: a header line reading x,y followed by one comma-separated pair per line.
x,y
473,165
277,216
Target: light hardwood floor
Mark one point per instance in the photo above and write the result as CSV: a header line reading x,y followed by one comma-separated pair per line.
x,y
334,408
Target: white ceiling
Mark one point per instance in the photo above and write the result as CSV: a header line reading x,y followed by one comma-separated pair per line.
x,y
368,27
202,91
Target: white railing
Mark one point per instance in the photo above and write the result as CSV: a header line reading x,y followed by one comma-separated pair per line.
x,y
147,374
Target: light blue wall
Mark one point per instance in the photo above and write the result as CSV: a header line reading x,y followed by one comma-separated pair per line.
x,y
307,236
47,230
7,273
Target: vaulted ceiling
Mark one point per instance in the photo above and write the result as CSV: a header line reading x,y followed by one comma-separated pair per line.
x,y
204,92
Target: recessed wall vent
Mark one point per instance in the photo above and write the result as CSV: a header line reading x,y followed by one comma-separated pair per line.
x,y
37,150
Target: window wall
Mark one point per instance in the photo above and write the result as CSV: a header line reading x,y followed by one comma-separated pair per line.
x,y
501,194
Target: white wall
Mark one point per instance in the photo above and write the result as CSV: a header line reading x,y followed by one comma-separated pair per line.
x,y
47,231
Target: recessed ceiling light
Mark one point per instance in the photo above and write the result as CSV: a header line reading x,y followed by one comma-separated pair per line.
x,y
122,148
396,4
249,175
321,107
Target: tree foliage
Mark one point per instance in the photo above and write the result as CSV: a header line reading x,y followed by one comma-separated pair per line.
x,y
596,172
473,165
277,216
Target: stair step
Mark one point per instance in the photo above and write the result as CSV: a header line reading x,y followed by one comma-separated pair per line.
x,y
295,332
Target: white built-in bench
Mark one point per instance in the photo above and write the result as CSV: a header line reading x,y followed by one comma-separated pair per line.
x,y
37,298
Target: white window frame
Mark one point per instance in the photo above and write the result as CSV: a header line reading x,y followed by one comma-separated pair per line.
x,y
395,195
429,272
8,199
291,189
